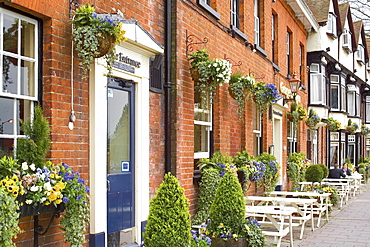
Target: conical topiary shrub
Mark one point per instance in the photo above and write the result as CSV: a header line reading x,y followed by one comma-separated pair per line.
x,y
228,207
169,217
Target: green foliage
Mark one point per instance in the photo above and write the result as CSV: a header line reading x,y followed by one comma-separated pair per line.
x,y
293,173
271,174
208,187
217,157
365,130
8,217
242,158
313,119
325,170
169,218
88,28
8,166
75,198
228,207
264,95
352,127
254,234
314,173
332,124
34,148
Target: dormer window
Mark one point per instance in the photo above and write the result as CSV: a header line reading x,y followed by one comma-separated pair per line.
x,y
332,24
347,40
360,54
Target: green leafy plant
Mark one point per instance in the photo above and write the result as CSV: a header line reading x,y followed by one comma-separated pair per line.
x,y
352,127
365,130
208,74
228,207
271,173
95,36
34,148
208,187
264,95
332,124
297,166
76,203
240,89
314,173
293,173
324,169
9,207
169,218
313,119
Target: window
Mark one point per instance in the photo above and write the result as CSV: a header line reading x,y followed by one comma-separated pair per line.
x,y
257,148
347,44
337,93
353,98
302,64
367,147
367,109
360,54
332,24
292,139
317,84
18,87
289,52
351,148
334,149
257,23
274,39
202,127
235,14
312,146
209,7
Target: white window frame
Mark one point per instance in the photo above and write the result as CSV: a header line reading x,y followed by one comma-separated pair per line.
x,y
319,91
367,109
334,82
360,54
235,18
256,23
347,43
343,94
208,125
353,99
332,24
10,127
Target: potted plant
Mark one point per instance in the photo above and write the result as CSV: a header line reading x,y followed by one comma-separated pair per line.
x,y
169,217
264,95
332,124
240,89
95,36
365,130
208,74
313,119
351,127
271,173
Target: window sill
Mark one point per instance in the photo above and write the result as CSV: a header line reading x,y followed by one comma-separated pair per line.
x,y
209,9
332,35
276,67
236,31
260,50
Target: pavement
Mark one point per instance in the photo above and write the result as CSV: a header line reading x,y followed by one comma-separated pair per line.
x,y
348,226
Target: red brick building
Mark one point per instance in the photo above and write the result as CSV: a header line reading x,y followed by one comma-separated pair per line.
x,y
151,89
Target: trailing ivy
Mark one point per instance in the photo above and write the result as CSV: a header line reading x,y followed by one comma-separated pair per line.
x,y
9,218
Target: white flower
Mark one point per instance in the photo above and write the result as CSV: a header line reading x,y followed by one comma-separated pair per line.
x,y
33,167
42,176
34,188
28,201
24,166
43,199
47,186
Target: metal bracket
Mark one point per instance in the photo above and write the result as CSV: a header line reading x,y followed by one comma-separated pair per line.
x,y
73,4
232,62
256,76
193,40
39,230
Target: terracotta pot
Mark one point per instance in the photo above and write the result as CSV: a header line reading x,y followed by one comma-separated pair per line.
x,y
106,44
219,242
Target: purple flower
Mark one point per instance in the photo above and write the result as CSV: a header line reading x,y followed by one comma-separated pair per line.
x,y
78,197
65,199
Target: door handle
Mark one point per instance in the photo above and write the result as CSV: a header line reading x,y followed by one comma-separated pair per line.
x,y
108,185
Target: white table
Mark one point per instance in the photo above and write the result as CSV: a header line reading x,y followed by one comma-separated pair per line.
x,y
275,218
321,205
303,206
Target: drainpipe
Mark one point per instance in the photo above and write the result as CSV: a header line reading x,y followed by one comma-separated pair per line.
x,y
167,87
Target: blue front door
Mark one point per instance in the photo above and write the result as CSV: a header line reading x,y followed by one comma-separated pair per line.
x,y
120,167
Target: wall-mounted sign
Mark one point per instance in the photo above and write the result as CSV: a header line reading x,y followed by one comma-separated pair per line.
x,y
126,63
125,166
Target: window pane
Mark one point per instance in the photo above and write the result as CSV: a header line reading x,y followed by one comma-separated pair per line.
x,y
351,103
28,78
10,75
6,116
201,138
6,147
28,39
10,37
23,112
334,96
367,111
333,155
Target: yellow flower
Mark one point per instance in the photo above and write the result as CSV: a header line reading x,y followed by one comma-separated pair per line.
x,y
61,185
58,201
47,203
10,188
52,175
15,178
15,193
52,196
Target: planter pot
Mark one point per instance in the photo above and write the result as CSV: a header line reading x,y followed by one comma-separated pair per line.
x,y
195,74
31,210
219,242
106,44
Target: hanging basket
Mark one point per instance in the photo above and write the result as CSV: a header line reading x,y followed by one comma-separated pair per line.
x,y
106,44
195,74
